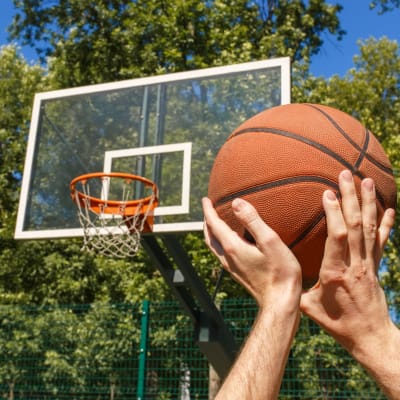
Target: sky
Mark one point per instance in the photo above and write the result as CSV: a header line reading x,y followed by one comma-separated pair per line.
x,y
334,58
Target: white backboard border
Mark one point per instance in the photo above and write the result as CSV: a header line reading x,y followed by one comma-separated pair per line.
x,y
20,233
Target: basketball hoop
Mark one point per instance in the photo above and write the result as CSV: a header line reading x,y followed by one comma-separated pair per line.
x,y
114,209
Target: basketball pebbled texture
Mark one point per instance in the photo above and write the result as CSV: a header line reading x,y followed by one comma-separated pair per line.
x,y
283,159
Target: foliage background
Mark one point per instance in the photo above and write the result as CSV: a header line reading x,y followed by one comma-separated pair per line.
x,y
84,42
92,351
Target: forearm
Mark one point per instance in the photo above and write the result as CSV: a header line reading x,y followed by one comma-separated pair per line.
x,y
380,356
258,372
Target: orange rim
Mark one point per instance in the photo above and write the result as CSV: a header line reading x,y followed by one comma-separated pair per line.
x,y
127,208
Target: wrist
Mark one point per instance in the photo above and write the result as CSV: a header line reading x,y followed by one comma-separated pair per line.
x,y
283,312
377,346
284,300
379,355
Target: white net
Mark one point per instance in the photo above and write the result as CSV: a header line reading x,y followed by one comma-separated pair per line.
x,y
112,234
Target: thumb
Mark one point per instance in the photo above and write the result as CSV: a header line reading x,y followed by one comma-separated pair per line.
x,y
310,302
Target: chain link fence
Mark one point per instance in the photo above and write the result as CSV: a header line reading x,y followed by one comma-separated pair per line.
x,y
147,351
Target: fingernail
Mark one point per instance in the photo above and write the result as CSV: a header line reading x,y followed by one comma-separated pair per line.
x,y
369,184
347,176
391,212
238,204
330,195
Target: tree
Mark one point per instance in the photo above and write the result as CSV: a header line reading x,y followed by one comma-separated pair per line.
x,y
75,352
19,343
384,5
18,83
111,40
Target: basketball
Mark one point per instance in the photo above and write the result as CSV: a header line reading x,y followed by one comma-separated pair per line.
x,y
283,159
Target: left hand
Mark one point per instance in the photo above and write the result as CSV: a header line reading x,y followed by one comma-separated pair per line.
x,y
267,269
348,302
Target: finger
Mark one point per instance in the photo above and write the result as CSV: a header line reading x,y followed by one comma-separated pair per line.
x,y
216,226
336,242
211,242
209,216
207,210
351,213
369,216
385,227
251,220
219,236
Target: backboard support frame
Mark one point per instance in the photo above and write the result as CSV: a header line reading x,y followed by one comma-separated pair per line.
x,y
211,333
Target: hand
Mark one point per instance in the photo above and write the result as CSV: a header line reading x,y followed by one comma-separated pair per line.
x,y
272,275
267,269
348,302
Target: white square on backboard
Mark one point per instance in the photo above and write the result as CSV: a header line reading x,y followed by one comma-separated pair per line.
x,y
186,148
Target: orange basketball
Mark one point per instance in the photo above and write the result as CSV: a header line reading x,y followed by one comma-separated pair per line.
x,y
283,159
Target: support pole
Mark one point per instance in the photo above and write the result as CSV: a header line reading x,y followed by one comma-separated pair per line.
x,y
143,350
212,334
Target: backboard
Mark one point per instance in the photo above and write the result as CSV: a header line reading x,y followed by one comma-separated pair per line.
x,y
165,128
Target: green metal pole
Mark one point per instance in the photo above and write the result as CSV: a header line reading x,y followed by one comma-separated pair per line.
x,y
144,329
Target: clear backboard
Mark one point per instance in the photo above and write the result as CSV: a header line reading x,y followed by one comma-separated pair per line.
x,y
165,128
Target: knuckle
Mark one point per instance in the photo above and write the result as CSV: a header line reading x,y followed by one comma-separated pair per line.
x,y
269,239
355,222
246,213
230,249
334,275
249,215
370,230
340,234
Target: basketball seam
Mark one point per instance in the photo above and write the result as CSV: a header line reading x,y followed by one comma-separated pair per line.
x,y
302,139
307,230
283,182
362,150
311,143
280,182
337,126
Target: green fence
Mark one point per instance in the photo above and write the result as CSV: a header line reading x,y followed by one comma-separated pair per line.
x,y
146,351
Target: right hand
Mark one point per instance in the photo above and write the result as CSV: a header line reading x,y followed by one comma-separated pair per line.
x,y
267,268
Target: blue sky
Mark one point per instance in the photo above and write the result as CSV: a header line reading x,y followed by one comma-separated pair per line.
x,y
334,58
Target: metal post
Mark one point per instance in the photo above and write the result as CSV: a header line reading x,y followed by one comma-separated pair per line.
x,y
144,329
143,134
213,336
159,131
